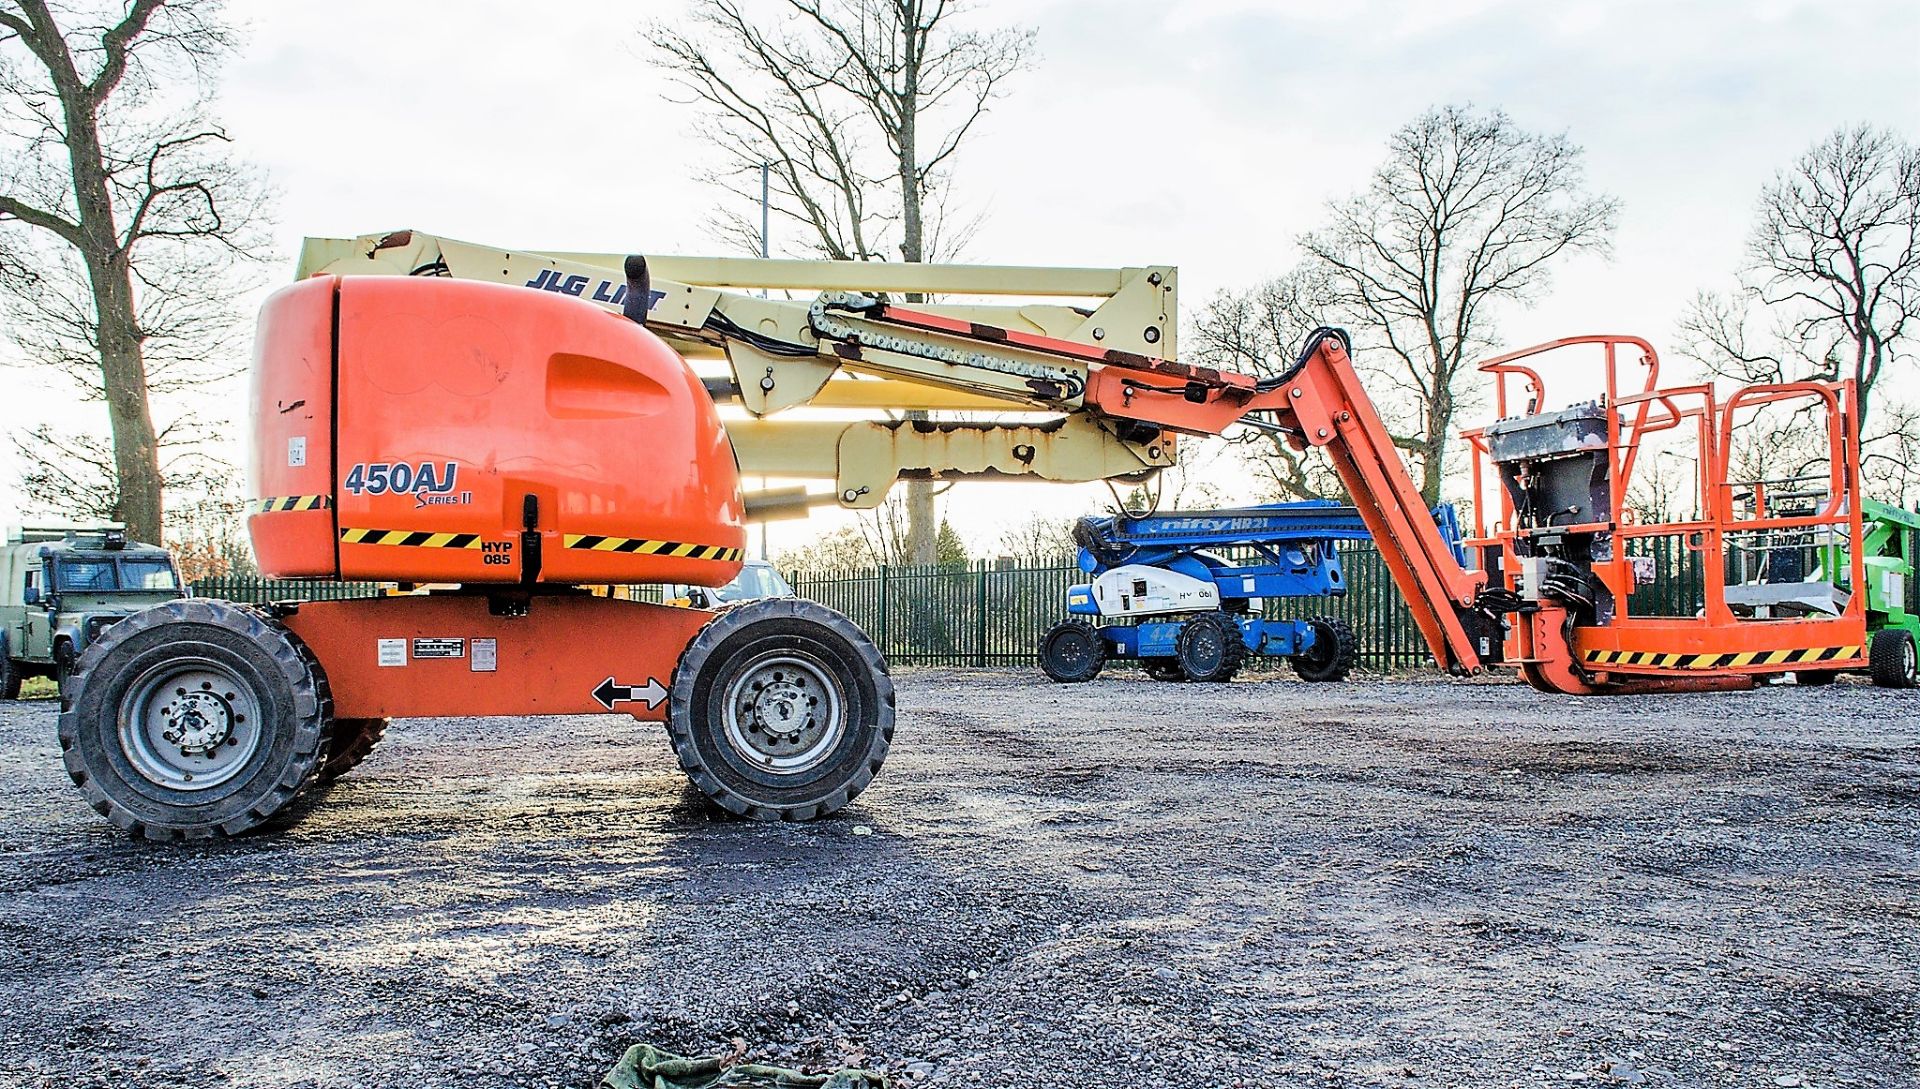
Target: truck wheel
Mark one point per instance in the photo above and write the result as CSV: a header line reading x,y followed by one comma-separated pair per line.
x,y
1163,669
353,739
781,709
1072,651
1210,648
1890,659
9,674
1333,654
195,718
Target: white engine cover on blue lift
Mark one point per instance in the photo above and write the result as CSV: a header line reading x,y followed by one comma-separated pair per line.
x,y
1139,590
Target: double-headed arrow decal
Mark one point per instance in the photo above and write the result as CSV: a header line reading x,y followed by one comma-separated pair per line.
x,y
610,693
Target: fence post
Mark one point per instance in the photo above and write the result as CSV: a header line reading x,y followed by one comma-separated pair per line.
x,y
883,610
980,617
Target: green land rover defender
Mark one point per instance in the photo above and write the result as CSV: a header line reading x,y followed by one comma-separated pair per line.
x,y
61,586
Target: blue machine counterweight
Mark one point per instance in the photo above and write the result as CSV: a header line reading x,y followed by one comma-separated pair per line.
x,y
1163,591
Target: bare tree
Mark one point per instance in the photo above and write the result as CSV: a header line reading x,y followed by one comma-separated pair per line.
x,y
70,473
857,108
842,549
1260,331
1468,213
1833,271
1040,541
122,215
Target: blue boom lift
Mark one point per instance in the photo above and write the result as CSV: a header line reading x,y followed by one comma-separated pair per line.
x,y
1162,594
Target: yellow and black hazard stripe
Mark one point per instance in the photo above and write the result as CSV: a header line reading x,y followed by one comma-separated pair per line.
x,y
414,538
1649,659
641,547
274,503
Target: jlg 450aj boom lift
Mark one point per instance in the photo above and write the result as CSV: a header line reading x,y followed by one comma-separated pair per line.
x,y
416,426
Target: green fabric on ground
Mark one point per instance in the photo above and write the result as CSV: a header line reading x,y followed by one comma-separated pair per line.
x,y
647,1067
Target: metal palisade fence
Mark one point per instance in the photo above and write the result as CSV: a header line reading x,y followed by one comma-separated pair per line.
x,y
986,614
255,590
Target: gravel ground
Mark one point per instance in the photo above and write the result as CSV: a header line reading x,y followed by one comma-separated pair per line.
x,y
1122,883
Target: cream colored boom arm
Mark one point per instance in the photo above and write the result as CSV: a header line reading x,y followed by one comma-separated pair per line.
x,y
825,352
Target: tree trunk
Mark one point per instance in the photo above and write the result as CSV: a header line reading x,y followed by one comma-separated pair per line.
x,y
136,448
923,526
123,368
1433,466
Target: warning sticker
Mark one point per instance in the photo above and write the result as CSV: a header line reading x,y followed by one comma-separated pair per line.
x,y
393,652
439,648
485,656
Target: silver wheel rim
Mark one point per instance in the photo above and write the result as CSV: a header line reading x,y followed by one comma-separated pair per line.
x,y
189,724
784,713
1909,660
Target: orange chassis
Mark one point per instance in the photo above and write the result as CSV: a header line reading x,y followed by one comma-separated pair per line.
x,y
473,653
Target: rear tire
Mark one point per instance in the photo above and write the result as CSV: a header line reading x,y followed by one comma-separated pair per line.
x,y
353,740
10,677
781,709
1072,651
1210,647
1334,651
193,719
1891,660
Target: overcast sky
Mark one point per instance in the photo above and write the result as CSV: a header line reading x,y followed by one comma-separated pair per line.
x,y
1202,133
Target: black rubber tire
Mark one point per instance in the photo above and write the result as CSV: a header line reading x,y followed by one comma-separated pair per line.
x,y
1210,648
10,673
1072,651
1163,669
1335,651
1815,678
731,645
1891,659
353,739
296,714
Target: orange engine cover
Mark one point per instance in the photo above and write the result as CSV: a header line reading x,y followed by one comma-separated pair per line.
x,y
430,430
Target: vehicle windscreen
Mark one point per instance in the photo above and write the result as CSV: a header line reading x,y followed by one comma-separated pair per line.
x,y
85,576
91,575
147,574
754,582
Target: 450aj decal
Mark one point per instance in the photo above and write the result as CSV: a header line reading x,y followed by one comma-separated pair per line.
x,y
429,486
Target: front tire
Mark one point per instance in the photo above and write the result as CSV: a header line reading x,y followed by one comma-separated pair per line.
x,y
194,719
10,677
1072,652
1891,660
781,709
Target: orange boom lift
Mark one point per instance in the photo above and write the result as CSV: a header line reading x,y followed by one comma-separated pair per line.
x,y
522,445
